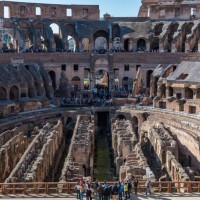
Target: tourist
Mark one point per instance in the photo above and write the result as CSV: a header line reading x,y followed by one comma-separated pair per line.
x,y
81,192
114,192
126,190
148,186
100,192
120,189
77,189
89,193
129,188
95,186
135,184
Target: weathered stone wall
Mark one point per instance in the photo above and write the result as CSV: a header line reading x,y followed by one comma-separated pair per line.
x,y
13,143
50,11
81,150
38,158
129,158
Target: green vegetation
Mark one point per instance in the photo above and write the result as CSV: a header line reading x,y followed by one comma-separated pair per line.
x,y
102,165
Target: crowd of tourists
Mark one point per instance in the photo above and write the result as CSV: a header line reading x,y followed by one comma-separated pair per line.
x,y
104,191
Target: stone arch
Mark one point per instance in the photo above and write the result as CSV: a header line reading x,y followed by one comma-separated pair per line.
x,y
71,43
3,94
189,93
57,44
135,121
158,29
101,39
8,45
116,43
25,43
187,30
189,161
163,90
85,44
198,93
120,116
52,75
102,79
76,83
171,91
41,43
148,78
127,44
141,44
173,28
125,83
115,31
169,70
14,93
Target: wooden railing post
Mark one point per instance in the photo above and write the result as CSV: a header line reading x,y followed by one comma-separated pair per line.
x,y
189,187
169,187
179,187
46,188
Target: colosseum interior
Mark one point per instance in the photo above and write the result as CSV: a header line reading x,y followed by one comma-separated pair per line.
x,y
74,89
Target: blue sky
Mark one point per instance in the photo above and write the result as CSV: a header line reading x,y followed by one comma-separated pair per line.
x,y
116,8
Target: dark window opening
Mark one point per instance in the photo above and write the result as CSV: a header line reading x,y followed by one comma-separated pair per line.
x,y
63,67
126,67
75,67
137,67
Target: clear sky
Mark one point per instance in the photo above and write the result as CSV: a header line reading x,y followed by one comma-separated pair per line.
x,y
116,8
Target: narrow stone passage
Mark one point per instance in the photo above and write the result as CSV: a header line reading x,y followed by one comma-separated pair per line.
x,y
102,170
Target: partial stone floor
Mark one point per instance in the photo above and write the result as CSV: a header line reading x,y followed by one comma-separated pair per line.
x,y
159,196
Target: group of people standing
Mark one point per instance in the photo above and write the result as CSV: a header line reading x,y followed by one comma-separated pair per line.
x,y
104,191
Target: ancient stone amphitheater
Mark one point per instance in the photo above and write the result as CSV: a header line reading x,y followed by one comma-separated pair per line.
x,y
111,99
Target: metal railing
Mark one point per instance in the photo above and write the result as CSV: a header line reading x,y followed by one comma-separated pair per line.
x,y
39,188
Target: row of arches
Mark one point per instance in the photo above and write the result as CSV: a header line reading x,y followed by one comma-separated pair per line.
x,y
13,93
176,33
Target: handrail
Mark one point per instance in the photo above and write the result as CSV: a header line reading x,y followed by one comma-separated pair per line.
x,y
68,187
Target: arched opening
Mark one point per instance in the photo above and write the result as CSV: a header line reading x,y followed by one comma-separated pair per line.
x,y
158,29
25,44
41,43
125,84
76,83
155,44
121,117
168,71
57,38
102,84
148,77
101,40
187,30
163,91
52,74
171,91
189,161
188,93
3,94
173,29
86,79
71,44
85,44
116,44
115,31
141,45
7,43
198,93
155,85
127,46
135,125
14,93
